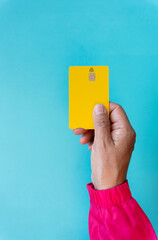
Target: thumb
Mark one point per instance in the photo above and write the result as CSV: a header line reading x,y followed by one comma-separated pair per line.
x,y
101,123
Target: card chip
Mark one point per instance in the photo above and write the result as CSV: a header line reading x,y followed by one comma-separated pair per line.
x,y
91,76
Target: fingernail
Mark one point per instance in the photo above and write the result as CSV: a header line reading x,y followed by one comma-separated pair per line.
x,y
99,109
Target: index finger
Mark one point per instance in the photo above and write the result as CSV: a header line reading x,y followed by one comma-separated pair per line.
x,y
117,114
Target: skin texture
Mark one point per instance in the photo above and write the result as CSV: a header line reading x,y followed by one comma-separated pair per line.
x,y
111,145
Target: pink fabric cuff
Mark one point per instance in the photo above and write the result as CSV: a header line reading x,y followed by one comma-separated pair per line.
x,y
109,197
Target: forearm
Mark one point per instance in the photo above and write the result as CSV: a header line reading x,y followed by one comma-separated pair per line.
x,y
115,214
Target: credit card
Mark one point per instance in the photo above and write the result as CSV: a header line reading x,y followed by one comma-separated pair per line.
x,y
88,86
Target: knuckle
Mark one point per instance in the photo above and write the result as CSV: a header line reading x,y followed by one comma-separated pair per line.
x,y
132,138
130,134
119,107
133,134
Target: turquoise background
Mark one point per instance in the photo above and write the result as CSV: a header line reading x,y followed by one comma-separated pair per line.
x,y
43,168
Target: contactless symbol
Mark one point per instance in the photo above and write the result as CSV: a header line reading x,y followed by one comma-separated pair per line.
x,y
91,70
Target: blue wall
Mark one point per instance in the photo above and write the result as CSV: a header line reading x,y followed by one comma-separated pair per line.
x,y
43,169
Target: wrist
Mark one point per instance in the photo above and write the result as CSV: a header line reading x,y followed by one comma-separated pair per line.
x,y
107,184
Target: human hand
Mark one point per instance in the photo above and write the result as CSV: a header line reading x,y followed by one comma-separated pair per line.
x,y
111,144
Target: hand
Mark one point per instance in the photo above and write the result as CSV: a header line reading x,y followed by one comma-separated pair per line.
x,y
111,144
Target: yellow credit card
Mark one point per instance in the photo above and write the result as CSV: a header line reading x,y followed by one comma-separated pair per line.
x,y
88,86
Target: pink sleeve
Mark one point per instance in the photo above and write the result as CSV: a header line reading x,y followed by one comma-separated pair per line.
x,y
115,214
